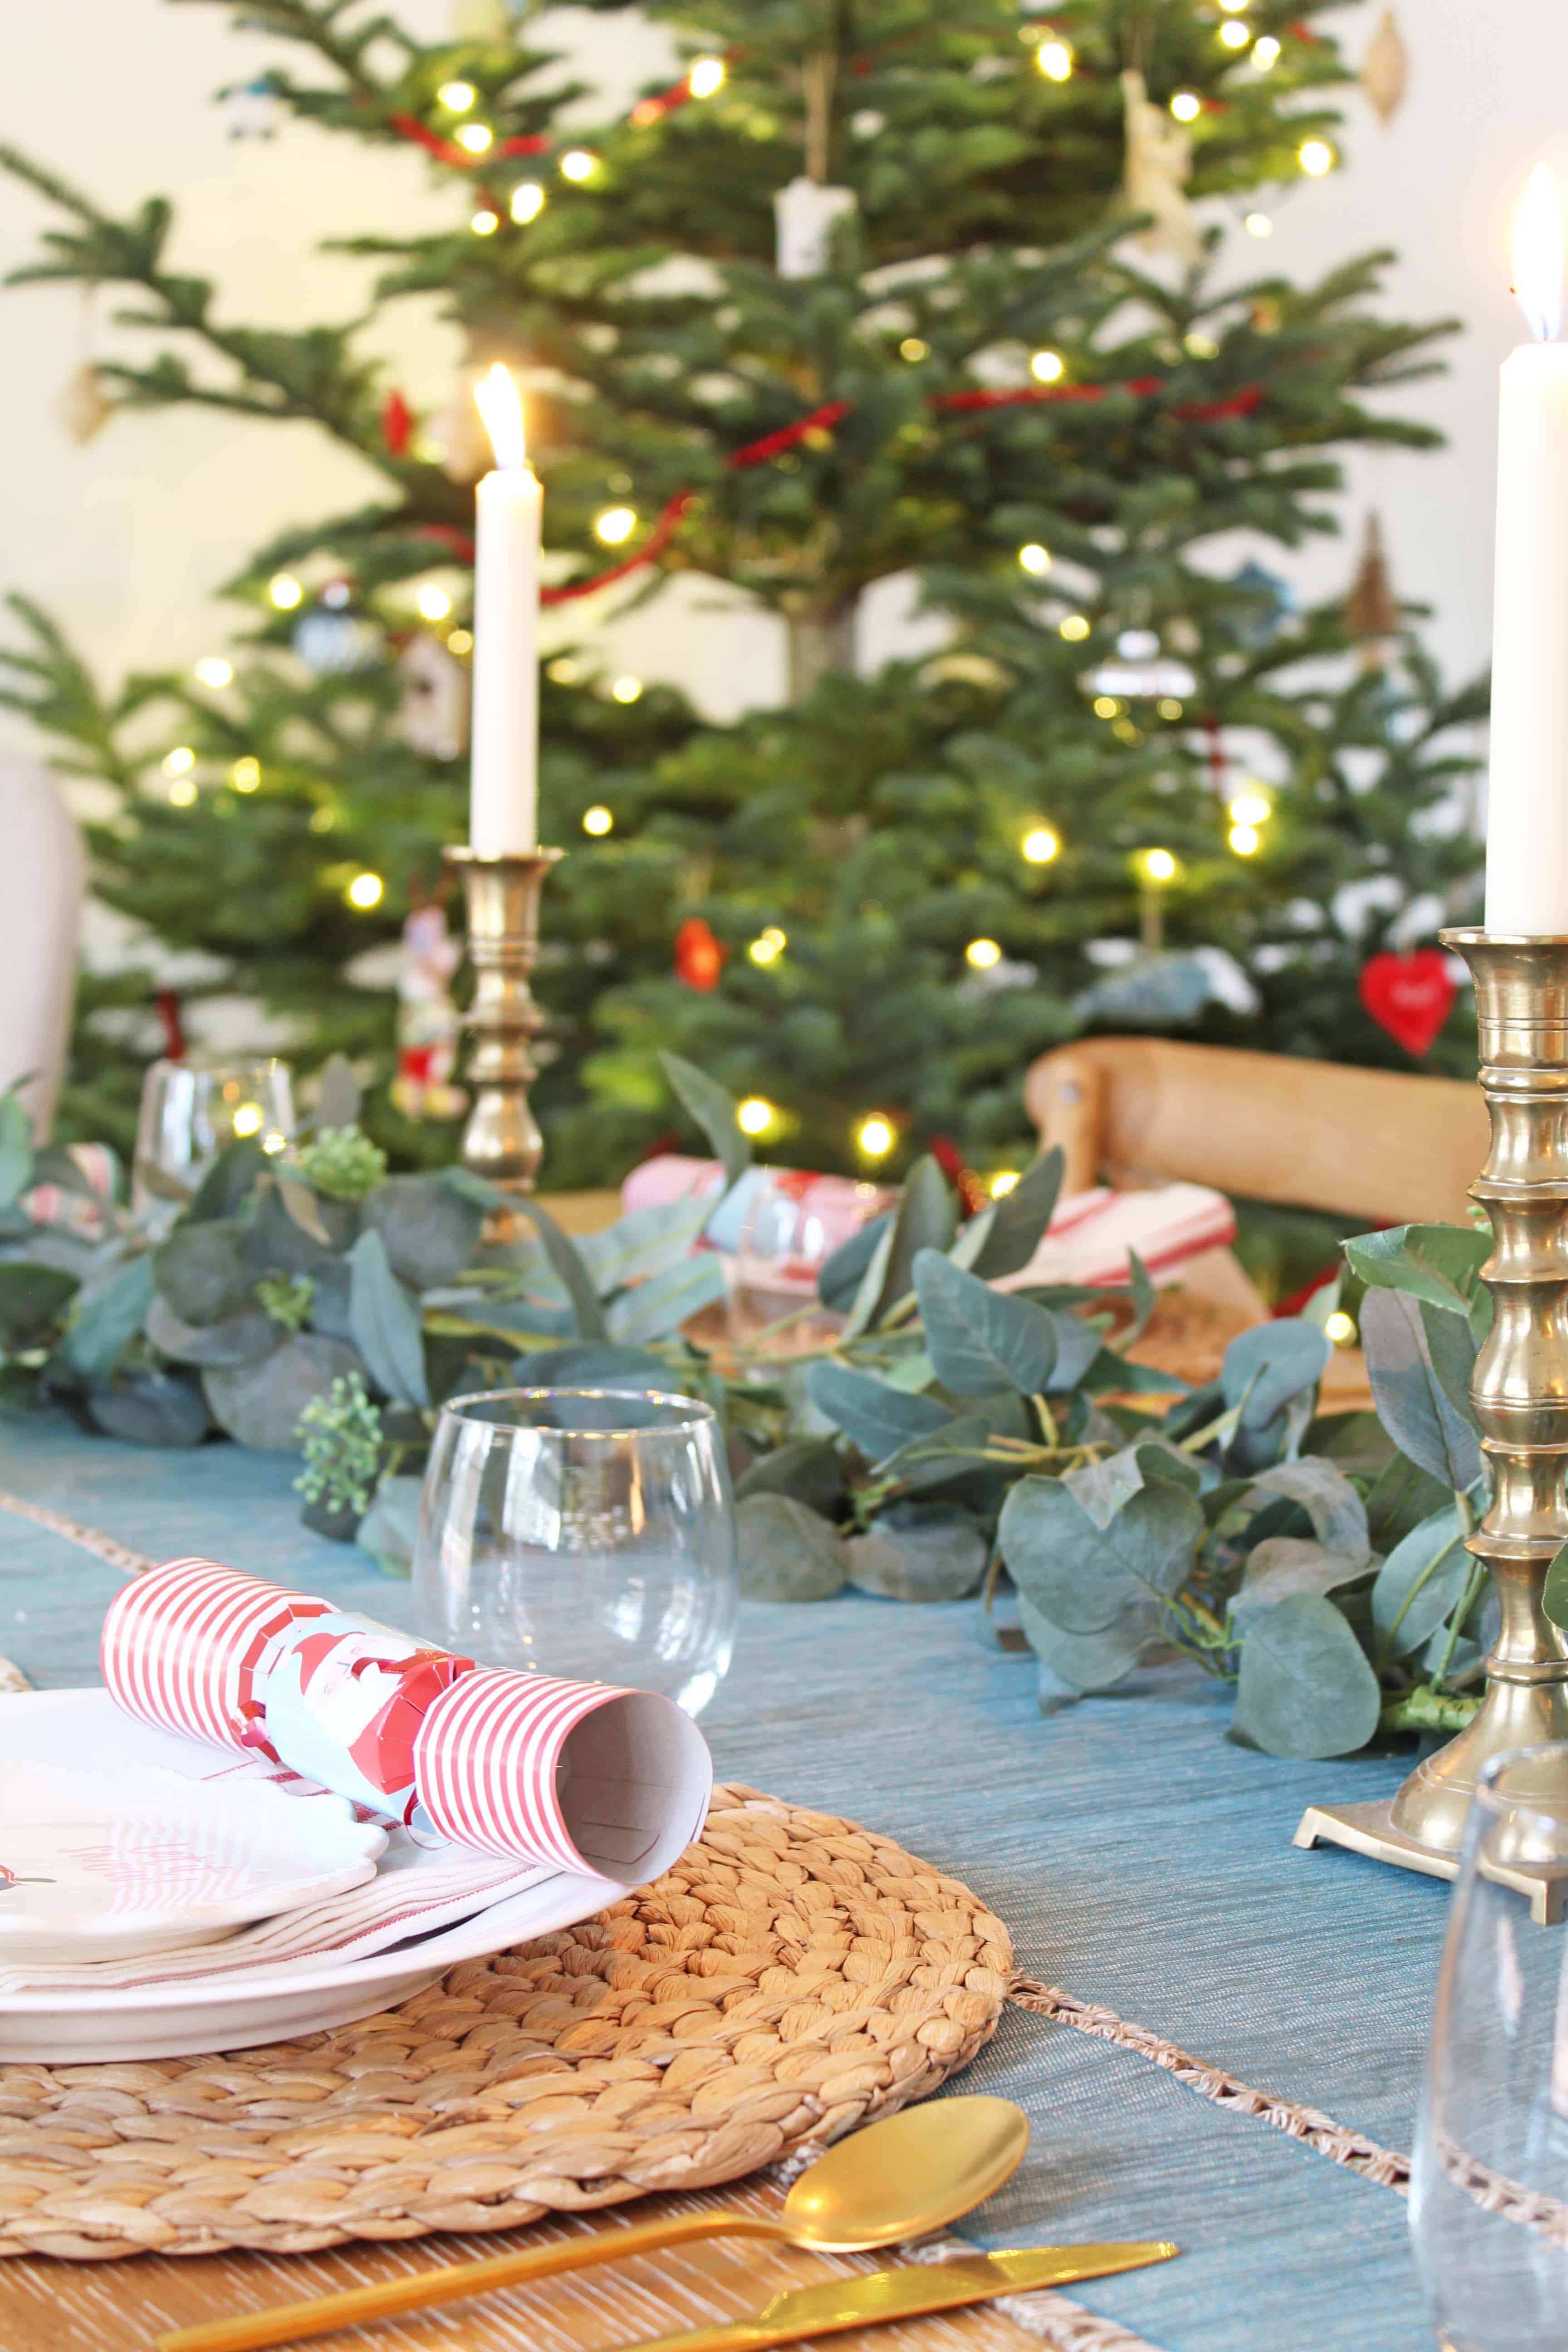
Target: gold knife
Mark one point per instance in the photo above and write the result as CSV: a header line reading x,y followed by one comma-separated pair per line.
x,y
909,2294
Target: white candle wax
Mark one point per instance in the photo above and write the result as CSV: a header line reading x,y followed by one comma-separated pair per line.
x,y
1526,818
503,803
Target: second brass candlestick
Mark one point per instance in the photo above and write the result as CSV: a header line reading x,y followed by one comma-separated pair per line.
x,y
502,1140
1520,1391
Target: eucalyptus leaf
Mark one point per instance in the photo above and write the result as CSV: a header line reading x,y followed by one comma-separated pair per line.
x,y
1270,1365
201,1272
338,1096
1091,1662
1019,1219
383,1323
657,1309
642,1243
1441,1263
272,1241
1085,1575
329,1284
926,1219
873,1416
786,1552
31,1298
1283,1565
1421,1416
1305,1687
241,1338
1401,1496
106,1315
1331,1502
956,1456
1421,1581
867,1301
928,1555
1554,1592
592,1364
809,1469
842,1273
16,1151
430,1231
565,1260
978,1339
151,1409
228,1183
259,1404
390,1529
712,1108
302,1205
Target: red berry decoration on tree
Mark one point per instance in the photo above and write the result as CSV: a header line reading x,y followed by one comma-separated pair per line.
x,y
1409,995
698,956
396,424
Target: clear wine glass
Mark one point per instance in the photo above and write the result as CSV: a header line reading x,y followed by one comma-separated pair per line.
x,y
1489,2205
190,1112
580,1533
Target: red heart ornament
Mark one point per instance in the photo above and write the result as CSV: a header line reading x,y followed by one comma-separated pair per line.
x,y
1409,995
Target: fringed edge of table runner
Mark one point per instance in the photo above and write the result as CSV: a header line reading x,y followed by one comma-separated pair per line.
x,y
1320,2132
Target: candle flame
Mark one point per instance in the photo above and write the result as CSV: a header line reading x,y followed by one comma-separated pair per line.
x,y
1538,257
500,405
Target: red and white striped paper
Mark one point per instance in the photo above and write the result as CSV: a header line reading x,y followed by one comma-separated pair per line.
x,y
579,1776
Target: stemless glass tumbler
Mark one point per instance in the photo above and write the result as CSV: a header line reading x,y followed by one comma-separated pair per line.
x,y
580,1533
1489,2205
190,1112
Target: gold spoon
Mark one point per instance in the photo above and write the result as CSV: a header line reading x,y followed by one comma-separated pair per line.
x,y
912,2172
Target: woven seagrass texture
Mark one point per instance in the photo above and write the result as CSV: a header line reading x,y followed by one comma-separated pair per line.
x,y
793,1976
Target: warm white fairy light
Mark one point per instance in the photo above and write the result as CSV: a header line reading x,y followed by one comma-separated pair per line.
x,y
1339,1328
983,955
1186,106
434,603
1316,157
457,96
876,1136
1035,558
183,792
1056,60
577,164
913,348
527,201
706,75
1234,35
476,137
247,1118
1040,845
485,223
460,641
755,1115
246,774
626,689
1251,808
364,891
1046,367
213,670
1168,706
1258,225
285,590
1158,866
1073,626
616,525
768,946
1006,1181
1245,840
597,820
1266,53
180,762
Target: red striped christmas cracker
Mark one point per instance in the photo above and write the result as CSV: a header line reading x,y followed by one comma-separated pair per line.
x,y
579,1776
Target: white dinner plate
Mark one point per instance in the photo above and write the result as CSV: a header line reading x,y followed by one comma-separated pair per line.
x,y
58,2027
116,1866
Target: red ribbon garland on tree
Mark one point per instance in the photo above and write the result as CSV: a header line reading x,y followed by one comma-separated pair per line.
x,y
823,420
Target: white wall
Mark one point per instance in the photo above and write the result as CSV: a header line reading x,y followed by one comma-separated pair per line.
x,y
128,538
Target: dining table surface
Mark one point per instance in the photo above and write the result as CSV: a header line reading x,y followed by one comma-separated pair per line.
x,y
1142,1860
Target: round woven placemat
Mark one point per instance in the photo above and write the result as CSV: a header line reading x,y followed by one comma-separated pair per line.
x,y
792,1976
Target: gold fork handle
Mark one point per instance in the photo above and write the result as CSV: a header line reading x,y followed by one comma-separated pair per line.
x,y
285,2323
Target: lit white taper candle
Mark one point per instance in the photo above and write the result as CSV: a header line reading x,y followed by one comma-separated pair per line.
x,y
1527,819
503,803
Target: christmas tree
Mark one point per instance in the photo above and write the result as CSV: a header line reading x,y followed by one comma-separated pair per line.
x,y
869,289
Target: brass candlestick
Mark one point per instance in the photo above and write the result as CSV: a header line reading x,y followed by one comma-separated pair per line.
x,y
502,1140
1520,1391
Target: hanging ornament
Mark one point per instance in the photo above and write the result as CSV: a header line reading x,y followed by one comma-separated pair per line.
x,y
1385,68
806,212
698,956
1409,995
1372,609
252,109
481,20
84,407
396,424
166,1005
428,1019
1142,670
433,716
334,641
1272,600
1155,178
457,438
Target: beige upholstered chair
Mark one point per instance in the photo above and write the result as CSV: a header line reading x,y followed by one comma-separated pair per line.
x,y
41,881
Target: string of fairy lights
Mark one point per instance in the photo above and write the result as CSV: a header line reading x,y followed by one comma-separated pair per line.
x,y
463,141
